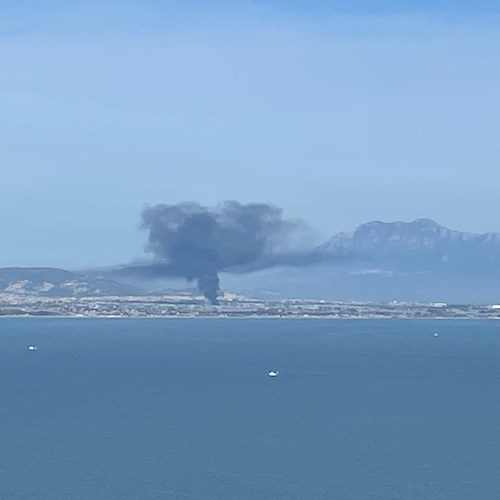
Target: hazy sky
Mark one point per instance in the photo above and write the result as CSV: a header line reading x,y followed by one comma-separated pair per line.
x,y
340,114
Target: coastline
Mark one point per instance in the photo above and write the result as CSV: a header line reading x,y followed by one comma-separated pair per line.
x,y
252,317
192,307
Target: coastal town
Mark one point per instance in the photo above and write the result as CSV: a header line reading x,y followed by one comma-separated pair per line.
x,y
231,306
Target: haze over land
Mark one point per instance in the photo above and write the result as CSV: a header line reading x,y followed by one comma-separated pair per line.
x,y
412,261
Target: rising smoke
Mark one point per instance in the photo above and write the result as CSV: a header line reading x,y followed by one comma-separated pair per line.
x,y
197,242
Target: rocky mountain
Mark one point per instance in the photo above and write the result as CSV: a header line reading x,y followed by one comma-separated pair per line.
x,y
422,244
380,261
54,282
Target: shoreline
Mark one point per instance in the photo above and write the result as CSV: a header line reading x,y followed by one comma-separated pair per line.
x,y
252,317
170,307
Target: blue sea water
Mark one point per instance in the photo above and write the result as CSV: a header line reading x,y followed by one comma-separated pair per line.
x,y
156,409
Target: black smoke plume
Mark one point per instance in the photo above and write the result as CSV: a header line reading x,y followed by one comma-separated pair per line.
x,y
197,242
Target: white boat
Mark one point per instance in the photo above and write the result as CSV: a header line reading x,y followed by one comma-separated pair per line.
x,y
436,334
273,373
32,348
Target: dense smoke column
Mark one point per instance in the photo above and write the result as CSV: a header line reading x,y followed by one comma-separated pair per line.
x,y
209,286
197,242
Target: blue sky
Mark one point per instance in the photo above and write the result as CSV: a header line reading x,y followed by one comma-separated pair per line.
x,y
339,112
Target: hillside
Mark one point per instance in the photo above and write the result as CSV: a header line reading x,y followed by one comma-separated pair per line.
x,y
55,282
382,261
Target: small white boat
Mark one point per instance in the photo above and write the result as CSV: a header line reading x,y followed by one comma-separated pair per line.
x,y
273,373
436,334
32,348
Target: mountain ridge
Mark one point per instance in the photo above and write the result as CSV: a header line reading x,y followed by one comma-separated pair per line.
x,y
58,282
418,260
419,244
424,231
383,261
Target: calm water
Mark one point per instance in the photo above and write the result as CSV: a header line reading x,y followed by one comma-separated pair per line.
x,y
154,409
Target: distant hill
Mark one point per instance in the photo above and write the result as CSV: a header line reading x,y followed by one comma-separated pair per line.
x,y
422,244
381,261
54,282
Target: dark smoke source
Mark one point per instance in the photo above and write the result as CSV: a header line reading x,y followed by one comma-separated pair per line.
x,y
197,242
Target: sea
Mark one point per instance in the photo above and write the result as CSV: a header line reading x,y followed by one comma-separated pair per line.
x,y
184,409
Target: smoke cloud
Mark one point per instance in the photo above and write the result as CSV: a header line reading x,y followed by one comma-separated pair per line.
x,y
197,242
